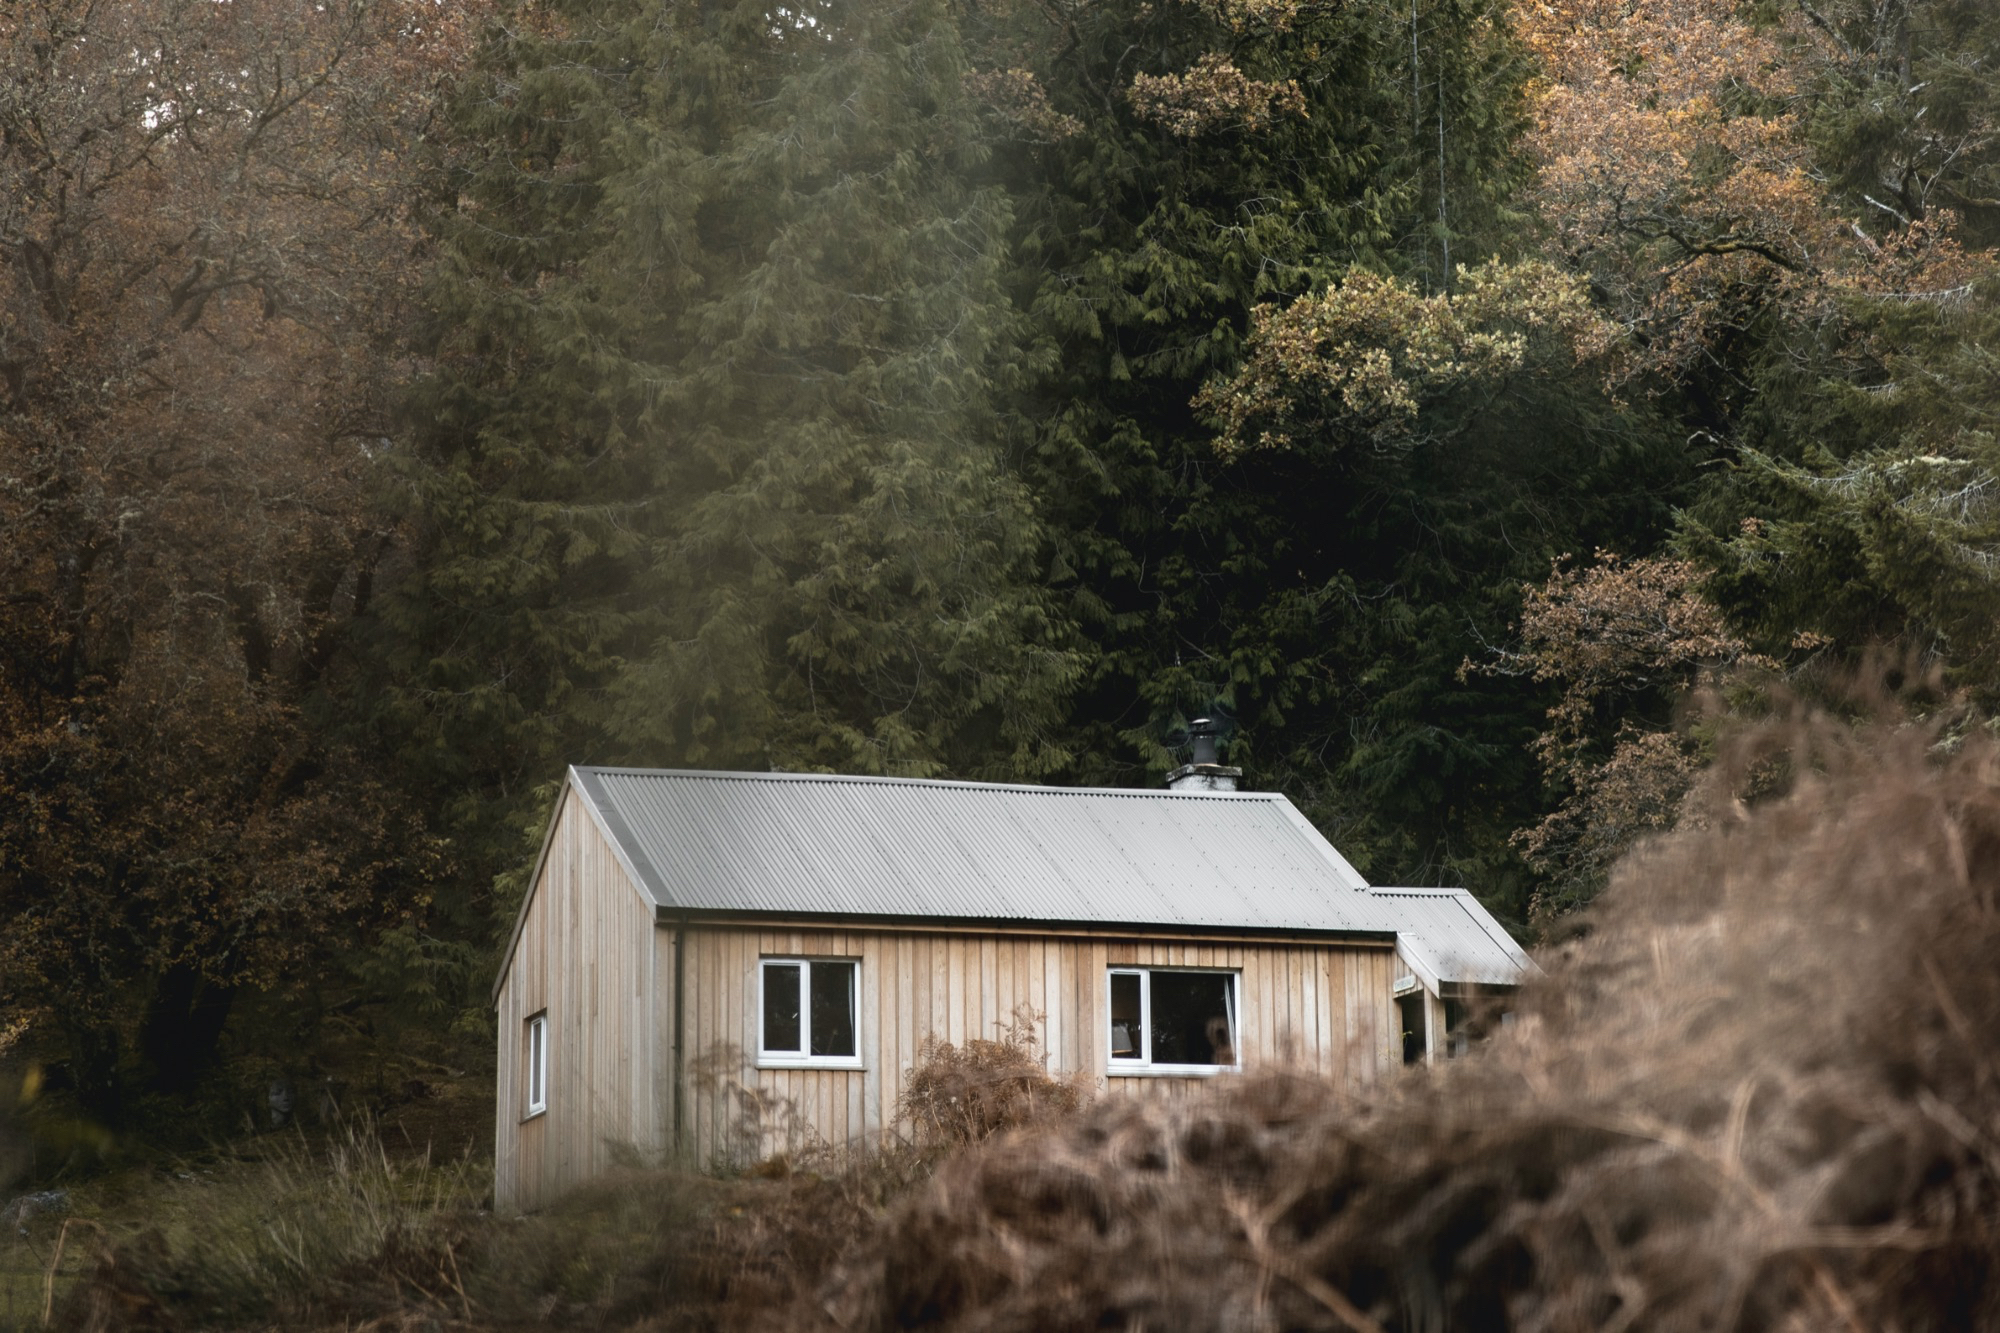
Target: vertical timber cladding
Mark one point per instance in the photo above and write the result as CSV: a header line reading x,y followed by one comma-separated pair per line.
x,y
587,954
1326,1006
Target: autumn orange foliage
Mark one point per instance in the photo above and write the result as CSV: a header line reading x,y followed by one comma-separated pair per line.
x,y
1361,360
1214,94
1625,639
1677,171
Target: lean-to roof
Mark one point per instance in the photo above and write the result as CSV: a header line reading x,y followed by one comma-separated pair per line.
x,y
1448,938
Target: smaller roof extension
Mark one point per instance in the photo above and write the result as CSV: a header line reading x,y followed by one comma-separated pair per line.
x,y
1448,938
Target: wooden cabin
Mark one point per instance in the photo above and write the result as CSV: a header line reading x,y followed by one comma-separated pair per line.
x,y
723,966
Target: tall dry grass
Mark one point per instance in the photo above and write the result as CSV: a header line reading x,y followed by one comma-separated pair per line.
x,y
349,1235
276,1231
1762,1093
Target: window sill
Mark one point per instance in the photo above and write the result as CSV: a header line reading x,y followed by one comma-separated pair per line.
x,y
1170,1071
851,1066
534,1115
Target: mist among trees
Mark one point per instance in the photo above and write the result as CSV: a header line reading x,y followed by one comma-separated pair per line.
x,y
1480,408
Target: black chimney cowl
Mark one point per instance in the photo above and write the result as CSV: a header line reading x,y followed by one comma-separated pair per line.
x,y
1206,772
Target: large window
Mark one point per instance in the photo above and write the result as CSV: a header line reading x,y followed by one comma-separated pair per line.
x,y
538,1065
806,1010
1168,1021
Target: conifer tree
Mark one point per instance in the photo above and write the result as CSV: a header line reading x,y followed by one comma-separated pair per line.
x,y
1178,166
1856,513
1861,511
815,388
708,470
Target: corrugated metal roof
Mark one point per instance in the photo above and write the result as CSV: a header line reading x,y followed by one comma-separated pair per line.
x,y
809,844
1448,936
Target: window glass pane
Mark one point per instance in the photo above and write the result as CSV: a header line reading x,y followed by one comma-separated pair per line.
x,y
781,1007
833,1009
1191,1019
1125,1034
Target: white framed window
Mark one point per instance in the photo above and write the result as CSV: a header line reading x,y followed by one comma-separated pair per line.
x,y
538,1065
1172,1020
808,1012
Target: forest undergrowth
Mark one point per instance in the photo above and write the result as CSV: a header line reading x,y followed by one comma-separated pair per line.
x,y
1758,1091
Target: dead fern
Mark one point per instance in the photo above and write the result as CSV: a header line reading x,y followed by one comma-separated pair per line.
x,y
960,1095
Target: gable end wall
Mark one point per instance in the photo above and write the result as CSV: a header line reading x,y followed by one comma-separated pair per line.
x,y
589,954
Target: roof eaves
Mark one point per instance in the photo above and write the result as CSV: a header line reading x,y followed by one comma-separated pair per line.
x,y
704,916
1408,948
1426,961
1497,933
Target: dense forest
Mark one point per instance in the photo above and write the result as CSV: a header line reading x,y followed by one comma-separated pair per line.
x,y
1481,408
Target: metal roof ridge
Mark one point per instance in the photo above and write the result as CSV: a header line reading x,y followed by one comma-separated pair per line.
x,y
1038,789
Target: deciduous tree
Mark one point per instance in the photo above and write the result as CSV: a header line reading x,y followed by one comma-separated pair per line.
x,y
204,251
1628,641
1317,601
1692,162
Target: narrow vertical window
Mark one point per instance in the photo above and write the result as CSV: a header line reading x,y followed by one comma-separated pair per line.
x,y
1457,1038
807,1012
538,1064
1412,1015
1128,1016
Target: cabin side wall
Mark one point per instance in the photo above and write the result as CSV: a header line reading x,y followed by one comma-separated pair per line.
x,y
1321,1006
589,956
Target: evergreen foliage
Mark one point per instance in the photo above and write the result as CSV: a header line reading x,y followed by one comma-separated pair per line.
x,y
1837,364
709,471
1322,600
816,390
1903,113
1858,513
1861,511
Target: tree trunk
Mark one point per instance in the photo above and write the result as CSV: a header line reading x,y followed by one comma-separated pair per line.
x,y
183,1029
